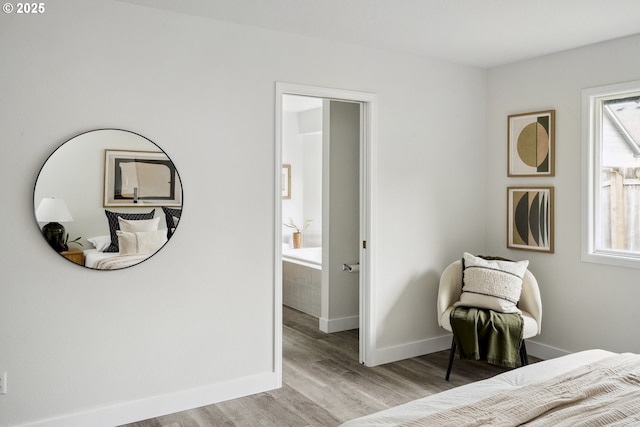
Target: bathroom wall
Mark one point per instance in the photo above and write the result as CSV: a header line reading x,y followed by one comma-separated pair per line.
x,y
302,149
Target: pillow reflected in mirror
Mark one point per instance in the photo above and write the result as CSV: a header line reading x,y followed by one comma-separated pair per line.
x,y
114,225
134,226
100,242
141,242
172,217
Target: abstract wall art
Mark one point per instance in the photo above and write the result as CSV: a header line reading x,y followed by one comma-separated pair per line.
x,y
140,178
530,218
531,144
285,181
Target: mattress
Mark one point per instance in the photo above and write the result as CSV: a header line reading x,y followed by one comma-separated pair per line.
x,y
474,392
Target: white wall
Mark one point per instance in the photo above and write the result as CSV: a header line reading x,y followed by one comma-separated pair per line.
x,y
293,155
584,305
311,125
302,149
195,323
312,176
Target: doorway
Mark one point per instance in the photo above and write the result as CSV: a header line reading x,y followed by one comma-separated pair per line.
x,y
364,104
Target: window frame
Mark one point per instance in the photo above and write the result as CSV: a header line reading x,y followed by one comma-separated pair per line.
x,y
592,103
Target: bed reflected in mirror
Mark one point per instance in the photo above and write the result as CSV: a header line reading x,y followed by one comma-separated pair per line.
x,y
108,199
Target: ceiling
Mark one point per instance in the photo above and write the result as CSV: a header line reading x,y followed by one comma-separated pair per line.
x,y
481,33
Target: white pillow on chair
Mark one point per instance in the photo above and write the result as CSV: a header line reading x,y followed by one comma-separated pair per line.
x,y
492,284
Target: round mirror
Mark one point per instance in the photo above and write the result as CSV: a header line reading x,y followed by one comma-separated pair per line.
x,y
108,199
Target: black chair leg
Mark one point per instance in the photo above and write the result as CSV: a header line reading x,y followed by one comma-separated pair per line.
x,y
524,358
451,355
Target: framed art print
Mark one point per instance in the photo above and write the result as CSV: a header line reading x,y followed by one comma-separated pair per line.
x,y
140,178
285,181
530,218
531,144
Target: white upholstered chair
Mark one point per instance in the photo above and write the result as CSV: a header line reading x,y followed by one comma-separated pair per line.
x,y
530,304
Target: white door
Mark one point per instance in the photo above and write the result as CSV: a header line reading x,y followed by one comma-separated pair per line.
x,y
364,227
341,215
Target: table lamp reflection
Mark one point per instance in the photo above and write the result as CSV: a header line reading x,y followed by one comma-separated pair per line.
x,y
53,211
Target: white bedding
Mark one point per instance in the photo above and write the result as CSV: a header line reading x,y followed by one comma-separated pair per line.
x,y
111,260
474,392
92,257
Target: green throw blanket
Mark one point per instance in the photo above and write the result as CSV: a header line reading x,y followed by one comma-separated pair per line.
x,y
487,335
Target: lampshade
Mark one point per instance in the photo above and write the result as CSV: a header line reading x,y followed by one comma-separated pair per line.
x,y
53,210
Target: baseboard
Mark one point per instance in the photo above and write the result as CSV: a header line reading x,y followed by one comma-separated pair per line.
x,y
340,324
543,351
432,345
153,407
413,349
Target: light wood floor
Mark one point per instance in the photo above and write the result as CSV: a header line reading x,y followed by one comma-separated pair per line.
x,y
324,385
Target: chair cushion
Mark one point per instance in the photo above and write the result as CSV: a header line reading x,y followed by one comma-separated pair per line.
x,y
492,284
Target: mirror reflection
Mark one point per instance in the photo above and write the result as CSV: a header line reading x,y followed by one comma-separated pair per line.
x,y
108,199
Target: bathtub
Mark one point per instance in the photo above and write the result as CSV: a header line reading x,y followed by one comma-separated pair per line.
x,y
302,279
311,257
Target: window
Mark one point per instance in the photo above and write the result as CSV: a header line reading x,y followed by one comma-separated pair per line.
x,y
611,175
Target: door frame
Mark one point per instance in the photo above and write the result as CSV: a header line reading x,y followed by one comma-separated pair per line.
x,y
368,137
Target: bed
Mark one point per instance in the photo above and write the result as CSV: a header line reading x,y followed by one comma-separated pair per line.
x,y
589,388
131,240
93,256
111,260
